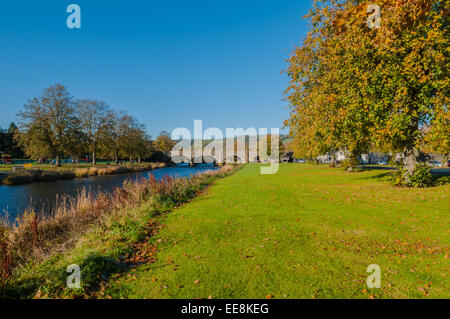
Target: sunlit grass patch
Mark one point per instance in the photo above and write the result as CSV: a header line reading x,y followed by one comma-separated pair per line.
x,y
306,232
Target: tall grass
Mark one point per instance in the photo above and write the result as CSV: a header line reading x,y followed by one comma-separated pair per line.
x,y
33,238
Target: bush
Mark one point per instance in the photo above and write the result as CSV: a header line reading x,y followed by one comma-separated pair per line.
x,y
96,269
3,176
19,178
92,171
67,174
443,180
421,177
48,176
350,164
102,171
81,172
6,262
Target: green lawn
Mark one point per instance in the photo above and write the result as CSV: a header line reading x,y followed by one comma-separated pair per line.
x,y
306,232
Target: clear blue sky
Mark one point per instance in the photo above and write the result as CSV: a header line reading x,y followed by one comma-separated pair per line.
x,y
165,62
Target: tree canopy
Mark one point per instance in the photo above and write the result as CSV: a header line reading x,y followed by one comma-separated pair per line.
x,y
356,88
56,125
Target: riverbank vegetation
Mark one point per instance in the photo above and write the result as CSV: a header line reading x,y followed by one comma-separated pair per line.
x,y
359,88
102,234
309,231
46,173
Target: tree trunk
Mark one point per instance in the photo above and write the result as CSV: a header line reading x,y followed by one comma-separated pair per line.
x,y
116,156
353,162
58,162
94,161
334,158
410,161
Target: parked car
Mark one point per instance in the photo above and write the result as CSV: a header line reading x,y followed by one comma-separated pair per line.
x,y
435,164
382,163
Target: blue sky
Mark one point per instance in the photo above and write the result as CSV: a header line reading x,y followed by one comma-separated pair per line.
x,y
165,62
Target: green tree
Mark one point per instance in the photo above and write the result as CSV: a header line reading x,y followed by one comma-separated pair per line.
x,y
95,123
116,134
164,143
355,88
281,148
137,143
7,142
12,128
48,125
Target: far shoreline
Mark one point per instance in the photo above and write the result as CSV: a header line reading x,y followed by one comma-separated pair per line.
x,y
38,174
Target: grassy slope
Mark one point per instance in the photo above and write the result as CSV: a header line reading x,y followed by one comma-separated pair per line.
x,y
306,232
109,247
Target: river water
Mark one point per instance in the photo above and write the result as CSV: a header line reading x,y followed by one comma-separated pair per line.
x,y
42,196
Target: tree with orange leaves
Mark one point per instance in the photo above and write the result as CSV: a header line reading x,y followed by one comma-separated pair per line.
x,y
355,87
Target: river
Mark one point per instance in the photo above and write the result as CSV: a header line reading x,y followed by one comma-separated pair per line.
x,y
16,199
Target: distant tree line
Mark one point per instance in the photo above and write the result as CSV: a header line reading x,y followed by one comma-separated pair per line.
x,y
7,145
56,126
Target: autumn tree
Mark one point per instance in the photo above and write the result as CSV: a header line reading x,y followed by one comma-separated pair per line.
x,y
95,123
163,142
411,85
355,87
137,142
48,125
325,92
281,147
116,134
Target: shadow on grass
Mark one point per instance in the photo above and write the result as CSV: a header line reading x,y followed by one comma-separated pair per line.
x,y
439,177
95,269
24,288
371,167
440,171
381,176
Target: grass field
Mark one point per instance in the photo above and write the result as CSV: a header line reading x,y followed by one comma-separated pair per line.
x,y
306,232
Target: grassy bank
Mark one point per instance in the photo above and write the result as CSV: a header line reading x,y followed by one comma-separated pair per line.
x,y
306,232
47,173
104,235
